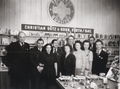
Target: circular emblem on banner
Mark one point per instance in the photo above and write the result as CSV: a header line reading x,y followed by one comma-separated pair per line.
x,y
61,11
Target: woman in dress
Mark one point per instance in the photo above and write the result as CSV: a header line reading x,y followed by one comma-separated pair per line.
x,y
80,64
68,61
50,64
87,56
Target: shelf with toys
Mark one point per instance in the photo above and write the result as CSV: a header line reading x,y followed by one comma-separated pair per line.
x,y
6,39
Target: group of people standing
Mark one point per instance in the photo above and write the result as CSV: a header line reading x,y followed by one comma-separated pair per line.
x,y
42,64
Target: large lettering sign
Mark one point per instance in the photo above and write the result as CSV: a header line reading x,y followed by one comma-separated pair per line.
x,y
29,27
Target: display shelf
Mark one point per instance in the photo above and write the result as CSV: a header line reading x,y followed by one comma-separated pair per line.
x,y
3,45
112,47
7,35
6,39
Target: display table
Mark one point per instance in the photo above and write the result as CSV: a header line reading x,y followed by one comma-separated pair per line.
x,y
65,84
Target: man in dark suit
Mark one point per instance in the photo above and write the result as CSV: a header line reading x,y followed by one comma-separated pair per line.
x,y
58,52
92,43
71,40
36,57
100,58
17,61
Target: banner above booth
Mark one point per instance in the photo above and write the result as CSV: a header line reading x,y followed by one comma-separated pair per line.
x,y
29,27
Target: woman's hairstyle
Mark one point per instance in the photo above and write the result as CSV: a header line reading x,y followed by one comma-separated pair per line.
x,y
85,41
53,41
77,41
44,48
98,40
69,47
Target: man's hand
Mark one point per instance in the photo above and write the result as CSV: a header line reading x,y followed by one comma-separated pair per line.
x,y
40,68
40,64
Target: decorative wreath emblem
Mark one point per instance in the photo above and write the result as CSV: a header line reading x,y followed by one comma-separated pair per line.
x,y
61,11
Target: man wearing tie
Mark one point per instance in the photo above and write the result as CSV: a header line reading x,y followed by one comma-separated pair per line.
x,y
71,41
18,63
100,58
57,51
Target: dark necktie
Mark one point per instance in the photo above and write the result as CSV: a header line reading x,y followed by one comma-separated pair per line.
x,y
22,44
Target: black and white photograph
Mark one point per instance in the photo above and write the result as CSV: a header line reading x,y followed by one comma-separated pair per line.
x,y
59,44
